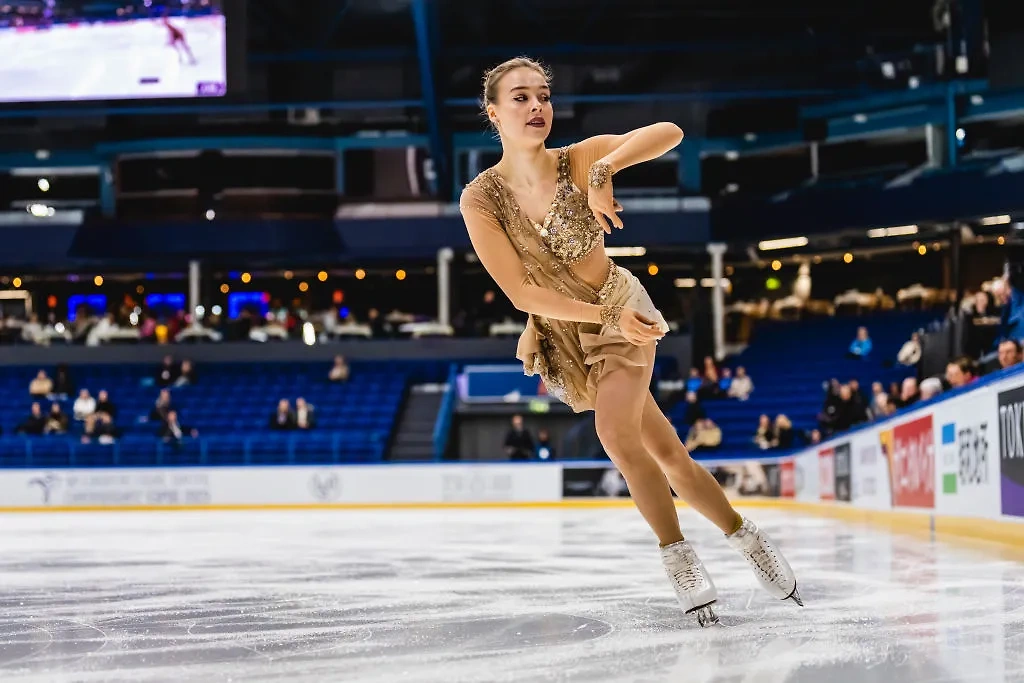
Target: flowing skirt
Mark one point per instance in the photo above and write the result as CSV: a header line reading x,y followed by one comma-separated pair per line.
x,y
572,357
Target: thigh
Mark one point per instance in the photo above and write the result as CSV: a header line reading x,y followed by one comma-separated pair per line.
x,y
620,396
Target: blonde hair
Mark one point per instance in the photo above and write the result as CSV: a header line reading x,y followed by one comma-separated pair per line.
x,y
493,76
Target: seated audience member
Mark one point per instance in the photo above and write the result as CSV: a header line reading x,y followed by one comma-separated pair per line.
x,y
35,423
861,346
56,421
878,397
85,405
104,405
909,393
545,449
763,435
518,441
283,418
880,408
186,374
860,406
847,413
703,434
161,407
694,410
814,438
725,382
305,414
782,435
960,372
339,371
63,385
742,386
694,381
910,352
709,379
174,431
41,386
830,408
100,426
930,388
1009,353
167,373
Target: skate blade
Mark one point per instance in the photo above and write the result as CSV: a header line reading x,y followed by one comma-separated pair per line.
x,y
705,615
795,597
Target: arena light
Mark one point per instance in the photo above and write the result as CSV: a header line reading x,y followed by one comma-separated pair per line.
x,y
210,214
360,273
224,288
322,276
140,289
16,282
39,210
685,282
626,251
246,278
710,282
216,310
1001,240
652,269
308,334
288,275
776,265
43,184
400,274
303,286
98,280
896,231
922,250
782,243
847,257
996,220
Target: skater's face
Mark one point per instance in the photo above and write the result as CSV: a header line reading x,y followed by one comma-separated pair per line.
x,y
522,111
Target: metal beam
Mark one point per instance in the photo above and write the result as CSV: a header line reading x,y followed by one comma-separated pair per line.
x,y
197,108
423,14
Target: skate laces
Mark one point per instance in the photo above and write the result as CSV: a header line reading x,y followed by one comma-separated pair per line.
x,y
764,559
686,569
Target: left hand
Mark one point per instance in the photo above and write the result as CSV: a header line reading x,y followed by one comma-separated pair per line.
x,y
605,206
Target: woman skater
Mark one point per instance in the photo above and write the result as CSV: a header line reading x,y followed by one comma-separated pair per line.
x,y
592,328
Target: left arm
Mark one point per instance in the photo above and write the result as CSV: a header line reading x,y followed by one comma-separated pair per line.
x,y
601,156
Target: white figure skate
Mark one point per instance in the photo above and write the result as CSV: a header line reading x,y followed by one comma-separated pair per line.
x,y
694,588
771,568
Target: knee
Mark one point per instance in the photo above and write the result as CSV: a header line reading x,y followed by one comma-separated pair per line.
x,y
618,438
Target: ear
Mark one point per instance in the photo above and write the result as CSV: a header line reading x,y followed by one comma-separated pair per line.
x,y
492,114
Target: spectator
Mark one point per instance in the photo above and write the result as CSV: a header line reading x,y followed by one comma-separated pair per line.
x,y
861,346
909,393
161,407
283,418
830,409
960,372
910,352
63,386
100,426
545,449
880,408
763,435
741,386
709,379
56,421
518,442
860,406
339,371
41,386
815,437
104,405
33,333
847,413
878,397
783,435
1009,353
694,381
186,374
35,423
703,434
85,405
305,414
694,410
167,373
930,388
725,382
174,431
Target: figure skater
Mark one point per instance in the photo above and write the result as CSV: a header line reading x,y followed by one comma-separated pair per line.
x,y
592,328
178,42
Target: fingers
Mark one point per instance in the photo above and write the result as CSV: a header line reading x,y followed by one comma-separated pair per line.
x,y
599,217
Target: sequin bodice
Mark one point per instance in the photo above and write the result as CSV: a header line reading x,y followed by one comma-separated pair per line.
x,y
569,229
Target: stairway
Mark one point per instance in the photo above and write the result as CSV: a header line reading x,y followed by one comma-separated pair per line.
x,y
414,436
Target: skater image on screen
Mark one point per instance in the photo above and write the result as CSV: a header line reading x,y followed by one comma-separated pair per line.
x,y
177,40
537,220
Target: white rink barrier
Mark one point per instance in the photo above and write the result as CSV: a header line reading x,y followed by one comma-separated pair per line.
x,y
257,487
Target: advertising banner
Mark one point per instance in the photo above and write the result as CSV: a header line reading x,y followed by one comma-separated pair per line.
x,y
270,486
738,479
967,467
826,474
787,478
1011,450
909,448
842,464
806,479
869,472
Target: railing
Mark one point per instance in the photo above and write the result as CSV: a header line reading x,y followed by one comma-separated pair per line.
x,y
443,425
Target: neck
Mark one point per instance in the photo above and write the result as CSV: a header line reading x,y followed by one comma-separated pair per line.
x,y
526,166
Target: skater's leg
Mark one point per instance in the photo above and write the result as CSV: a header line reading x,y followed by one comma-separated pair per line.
x,y
617,412
691,482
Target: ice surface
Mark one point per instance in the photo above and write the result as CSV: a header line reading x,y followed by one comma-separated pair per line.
x,y
109,61
486,595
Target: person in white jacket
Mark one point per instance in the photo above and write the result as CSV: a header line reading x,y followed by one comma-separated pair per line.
x,y
85,405
742,386
910,352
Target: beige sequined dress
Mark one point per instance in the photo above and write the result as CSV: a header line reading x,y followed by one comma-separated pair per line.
x,y
569,356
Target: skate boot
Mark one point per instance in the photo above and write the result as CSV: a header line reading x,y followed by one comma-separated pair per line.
x,y
770,567
694,588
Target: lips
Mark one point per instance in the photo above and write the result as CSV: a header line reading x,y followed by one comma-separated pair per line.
x,y
537,122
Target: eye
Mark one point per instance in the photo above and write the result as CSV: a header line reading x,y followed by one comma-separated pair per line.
x,y
519,98
545,98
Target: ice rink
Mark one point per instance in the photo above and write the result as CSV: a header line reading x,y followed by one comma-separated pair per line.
x,y
486,595
110,61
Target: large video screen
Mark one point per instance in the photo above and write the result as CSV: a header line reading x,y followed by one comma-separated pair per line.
x,y
76,50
